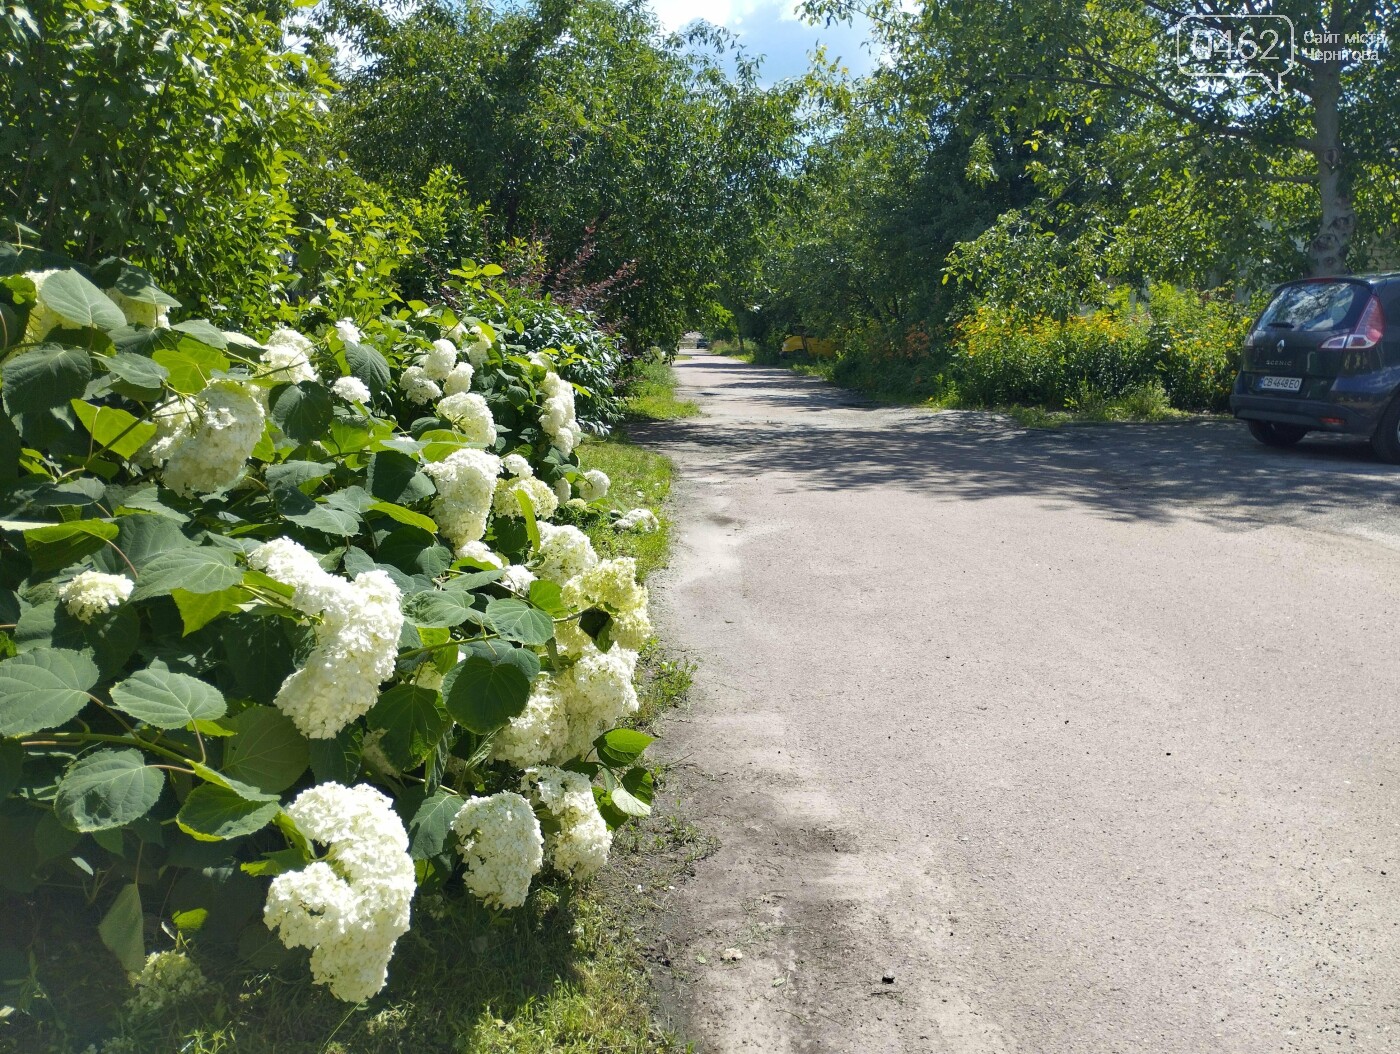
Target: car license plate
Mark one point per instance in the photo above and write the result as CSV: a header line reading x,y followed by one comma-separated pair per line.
x,y
1280,384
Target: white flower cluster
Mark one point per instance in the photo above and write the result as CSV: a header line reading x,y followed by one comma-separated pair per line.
x,y
478,347
564,552
357,638
643,521
594,485
539,733
613,585
139,312
468,413
502,847
540,495
168,979
351,389
351,907
437,372
91,593
517,465
466,481
517,578
287,359
482,555
557,418
580,846
203,443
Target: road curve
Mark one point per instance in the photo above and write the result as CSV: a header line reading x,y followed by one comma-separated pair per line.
x,y
1088,739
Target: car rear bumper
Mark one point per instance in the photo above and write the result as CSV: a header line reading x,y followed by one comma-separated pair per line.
x,y
1323,415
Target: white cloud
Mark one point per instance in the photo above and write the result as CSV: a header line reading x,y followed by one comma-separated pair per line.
x,y
677,13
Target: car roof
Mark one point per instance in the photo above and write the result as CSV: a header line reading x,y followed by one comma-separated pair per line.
x,y
1375,278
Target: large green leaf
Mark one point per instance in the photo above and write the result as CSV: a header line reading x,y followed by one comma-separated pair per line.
x,y
62,544
441,608
212,813
167,699
265,750
303,410
136,376
40,386
43,689
369,366
622,746
121,929
337,760
487,689
11,766
199,609
114,429
142,538
191,366
517,620
195,570
79,303
106,789
394,476
431,824
413,721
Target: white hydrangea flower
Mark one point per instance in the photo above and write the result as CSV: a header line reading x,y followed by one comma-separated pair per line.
x,y
481,554
611,584
557,417
517,466
469,414
350,908
562,491
438,362
349,332
91,593
502,847
139,312
597,694
541,496
466,481
580,846
539,734
564,553
168,979
459,380
207,443
517,578
351,389
418,386
287,359
357,638
594,485
643,521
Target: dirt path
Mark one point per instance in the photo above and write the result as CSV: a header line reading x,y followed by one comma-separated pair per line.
x,y
1090,739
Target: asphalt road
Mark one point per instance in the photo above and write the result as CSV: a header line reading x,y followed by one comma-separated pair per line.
x,y
1089,739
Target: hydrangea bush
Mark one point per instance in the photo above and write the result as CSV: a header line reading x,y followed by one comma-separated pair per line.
x,y
289,634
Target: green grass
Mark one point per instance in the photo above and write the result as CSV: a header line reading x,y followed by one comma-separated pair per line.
x,y
563,975
653,395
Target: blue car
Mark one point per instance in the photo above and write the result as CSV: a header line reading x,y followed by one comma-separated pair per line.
x,y
1321,359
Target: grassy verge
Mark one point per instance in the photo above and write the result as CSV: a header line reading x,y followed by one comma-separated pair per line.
x,y
653,395
562,974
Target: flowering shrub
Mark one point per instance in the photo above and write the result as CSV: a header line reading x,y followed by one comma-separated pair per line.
x,y
291,612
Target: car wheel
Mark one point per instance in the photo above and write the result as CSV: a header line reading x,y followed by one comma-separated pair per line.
x,y
1271,433
1386,440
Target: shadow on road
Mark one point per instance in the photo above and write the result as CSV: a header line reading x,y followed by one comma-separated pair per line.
x,y
766,420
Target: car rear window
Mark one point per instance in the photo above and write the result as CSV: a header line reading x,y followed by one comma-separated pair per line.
x,y
1315,307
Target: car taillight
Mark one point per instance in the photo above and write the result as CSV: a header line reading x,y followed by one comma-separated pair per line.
x,y
1368,331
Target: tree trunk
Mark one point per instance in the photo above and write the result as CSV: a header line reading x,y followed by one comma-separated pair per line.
x,y
1328,251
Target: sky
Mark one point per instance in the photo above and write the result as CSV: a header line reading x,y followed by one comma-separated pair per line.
x,y
771,28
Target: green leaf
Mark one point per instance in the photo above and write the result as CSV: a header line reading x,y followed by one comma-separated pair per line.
x,y
39,388
402,515
11,766
517,620
191,366
203,331
66,543
43,689
369,366
212,813
548,597
107,789
337,760
121,928
395,477
167,699
266,749
633,796
202,569
197,610
278,863
113,429
413,721
142,538
246,791
303,410
431,825
136,376
622,746
80,303
441,608
486,690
